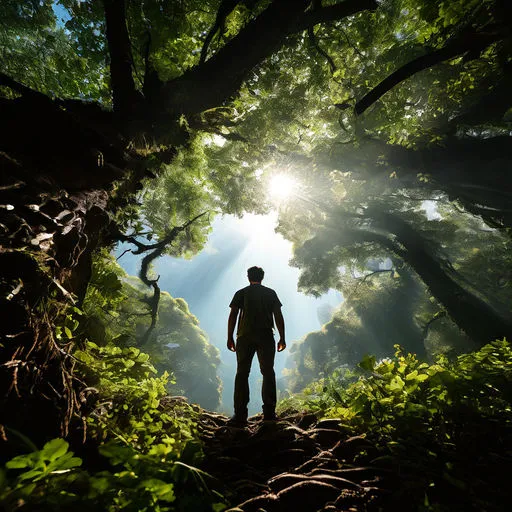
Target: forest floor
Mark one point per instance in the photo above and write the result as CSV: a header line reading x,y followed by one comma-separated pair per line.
x,y
297,463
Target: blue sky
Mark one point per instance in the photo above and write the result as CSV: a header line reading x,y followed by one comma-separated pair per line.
x,y
61,12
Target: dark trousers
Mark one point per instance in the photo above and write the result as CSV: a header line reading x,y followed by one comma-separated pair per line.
x,y
260,343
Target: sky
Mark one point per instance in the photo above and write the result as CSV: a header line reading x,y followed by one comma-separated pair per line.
x,y
209,280
61,12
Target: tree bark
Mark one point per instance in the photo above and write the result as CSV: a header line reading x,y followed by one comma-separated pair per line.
x,y
124,93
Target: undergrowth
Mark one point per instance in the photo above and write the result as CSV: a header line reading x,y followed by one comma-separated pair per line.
x,y
147,449
445,428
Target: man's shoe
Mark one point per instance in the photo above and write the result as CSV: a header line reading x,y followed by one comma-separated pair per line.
x,y
236,421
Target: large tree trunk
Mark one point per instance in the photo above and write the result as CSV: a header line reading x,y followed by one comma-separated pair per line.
x,y
474,315
55,176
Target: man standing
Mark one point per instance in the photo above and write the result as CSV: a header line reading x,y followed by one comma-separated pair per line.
x,y
258,307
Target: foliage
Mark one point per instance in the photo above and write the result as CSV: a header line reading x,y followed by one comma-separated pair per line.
x,y
149,448
117,313
447,426
39,52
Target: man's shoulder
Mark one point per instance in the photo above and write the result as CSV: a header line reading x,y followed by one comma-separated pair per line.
x,y
240,292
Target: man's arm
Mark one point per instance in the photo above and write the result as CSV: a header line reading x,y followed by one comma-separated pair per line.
x,y
280,327
233,315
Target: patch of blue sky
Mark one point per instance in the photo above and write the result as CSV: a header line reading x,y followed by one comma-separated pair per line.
x,y
61,13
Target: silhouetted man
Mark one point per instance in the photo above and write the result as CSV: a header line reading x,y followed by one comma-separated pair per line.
x,y
258,307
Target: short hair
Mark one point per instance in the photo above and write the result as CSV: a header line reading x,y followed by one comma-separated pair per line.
x,y
255,274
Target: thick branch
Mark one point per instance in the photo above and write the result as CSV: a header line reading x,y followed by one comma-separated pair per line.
x,y
125,95
216,80
20,88
474,43
334,12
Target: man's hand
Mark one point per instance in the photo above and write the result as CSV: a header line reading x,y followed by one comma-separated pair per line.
x,y
231,344
281,345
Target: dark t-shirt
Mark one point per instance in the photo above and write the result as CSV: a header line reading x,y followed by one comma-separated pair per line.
x,y
256,303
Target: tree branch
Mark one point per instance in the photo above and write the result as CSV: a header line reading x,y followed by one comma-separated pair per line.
x,y
391,270
474,43
334,12
157,250
20,88
320,50
226,7
210,84
437,316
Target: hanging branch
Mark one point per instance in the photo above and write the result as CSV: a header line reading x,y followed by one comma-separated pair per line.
x,y
437,316
314,42
390,270
156,250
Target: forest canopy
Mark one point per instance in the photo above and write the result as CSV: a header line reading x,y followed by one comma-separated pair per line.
x,y
387,123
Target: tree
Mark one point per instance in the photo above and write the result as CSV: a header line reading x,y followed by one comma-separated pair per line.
x,y
74,152
375,225
61,153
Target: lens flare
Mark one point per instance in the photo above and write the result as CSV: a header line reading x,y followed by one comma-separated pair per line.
x,y
282,186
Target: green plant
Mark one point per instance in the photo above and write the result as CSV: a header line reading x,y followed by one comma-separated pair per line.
x,y
150,449
445,427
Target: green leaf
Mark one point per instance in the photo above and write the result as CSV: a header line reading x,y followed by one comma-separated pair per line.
x,y
54,449
396,384
162,490
367,363
20,462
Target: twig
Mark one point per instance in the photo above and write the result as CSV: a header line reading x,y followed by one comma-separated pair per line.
x,y
123,253
376,272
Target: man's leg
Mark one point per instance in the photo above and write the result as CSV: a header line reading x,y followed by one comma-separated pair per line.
x,y
245,350
266,354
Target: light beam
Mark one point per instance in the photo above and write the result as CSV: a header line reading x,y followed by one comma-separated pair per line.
x,y
282,187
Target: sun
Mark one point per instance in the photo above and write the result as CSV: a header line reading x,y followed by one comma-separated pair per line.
x,y
282,186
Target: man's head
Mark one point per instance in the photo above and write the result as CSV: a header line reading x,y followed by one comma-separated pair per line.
x,y
255,274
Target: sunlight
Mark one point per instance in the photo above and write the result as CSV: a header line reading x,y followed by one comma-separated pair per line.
x,y
259,229
282,186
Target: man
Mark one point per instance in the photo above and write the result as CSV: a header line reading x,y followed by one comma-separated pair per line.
x,y
258,307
